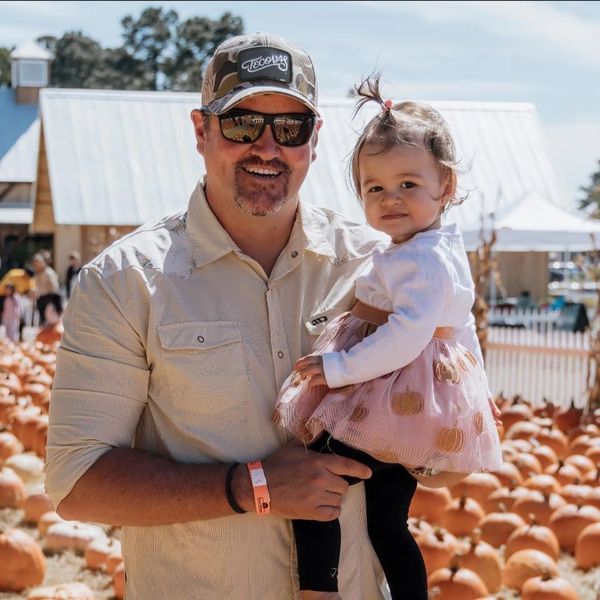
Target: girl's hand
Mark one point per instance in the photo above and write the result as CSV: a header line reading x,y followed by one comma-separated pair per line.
x,y
496,413
310,366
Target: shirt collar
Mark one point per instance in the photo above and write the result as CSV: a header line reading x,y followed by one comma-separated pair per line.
x,y
210,241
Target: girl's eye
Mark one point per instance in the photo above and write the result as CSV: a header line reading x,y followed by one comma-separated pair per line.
x,y
407,185
375,188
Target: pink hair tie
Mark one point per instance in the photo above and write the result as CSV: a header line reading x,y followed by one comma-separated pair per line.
x,y
387,105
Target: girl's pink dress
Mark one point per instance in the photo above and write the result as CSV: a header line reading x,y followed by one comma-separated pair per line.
x,y
433,413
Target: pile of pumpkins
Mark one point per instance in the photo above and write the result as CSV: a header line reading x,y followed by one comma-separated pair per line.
x,y
507,529
491,531
26,373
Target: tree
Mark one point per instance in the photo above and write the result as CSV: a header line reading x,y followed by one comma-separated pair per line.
x,y
158,53
76,58
5,66
147,40
196,40
592,198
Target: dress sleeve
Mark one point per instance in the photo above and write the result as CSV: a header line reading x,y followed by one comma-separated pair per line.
x,y
417,284
100,387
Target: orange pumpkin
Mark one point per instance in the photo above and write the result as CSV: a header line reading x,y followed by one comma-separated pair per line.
x,y
508,475
548,587
569,521
533,536
34,506
62,591
542,506
497,527
484,560
462,516
438,548
568,418
587,547
554,438
12,489
23,564
524,565
456,584
546,456
477,486
429,503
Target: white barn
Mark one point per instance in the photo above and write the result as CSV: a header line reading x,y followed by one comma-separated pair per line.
x,y
111,160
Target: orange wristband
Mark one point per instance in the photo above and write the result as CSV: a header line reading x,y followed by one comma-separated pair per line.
x,y
262,500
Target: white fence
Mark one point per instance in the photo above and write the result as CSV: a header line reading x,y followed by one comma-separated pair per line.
x,y
538,364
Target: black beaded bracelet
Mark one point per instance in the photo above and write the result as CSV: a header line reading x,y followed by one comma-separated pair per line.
x,y
229,493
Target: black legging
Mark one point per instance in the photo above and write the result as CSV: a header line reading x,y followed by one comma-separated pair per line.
x,y
388,494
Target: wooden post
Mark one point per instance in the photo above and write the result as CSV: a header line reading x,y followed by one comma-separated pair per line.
x,y
591,267
483,265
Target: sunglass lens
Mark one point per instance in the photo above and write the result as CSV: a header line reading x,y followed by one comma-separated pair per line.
x,y
292,130
243,129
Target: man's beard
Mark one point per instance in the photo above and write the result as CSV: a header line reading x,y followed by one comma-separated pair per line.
x,y
258,196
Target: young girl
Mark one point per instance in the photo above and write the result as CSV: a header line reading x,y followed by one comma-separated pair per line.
x,y
398,381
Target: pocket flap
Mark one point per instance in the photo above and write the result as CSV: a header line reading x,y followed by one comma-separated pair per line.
x,y
198,335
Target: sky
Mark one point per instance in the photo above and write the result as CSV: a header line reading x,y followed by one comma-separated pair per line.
x,y
547,53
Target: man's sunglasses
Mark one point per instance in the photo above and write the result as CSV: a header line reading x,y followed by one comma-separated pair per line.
x,y
246,126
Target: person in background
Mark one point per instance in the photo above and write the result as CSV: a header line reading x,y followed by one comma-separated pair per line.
x,y
46,284
72,272
11,313
22,280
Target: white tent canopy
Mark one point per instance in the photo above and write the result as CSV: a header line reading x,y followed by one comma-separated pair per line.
x,y
532,223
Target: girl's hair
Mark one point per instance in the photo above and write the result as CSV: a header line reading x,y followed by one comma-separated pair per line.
x,y
404,124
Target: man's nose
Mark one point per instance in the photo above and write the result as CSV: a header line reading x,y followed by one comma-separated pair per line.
x,y
266,146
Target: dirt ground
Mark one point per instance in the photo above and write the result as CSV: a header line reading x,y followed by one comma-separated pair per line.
x,y
68,566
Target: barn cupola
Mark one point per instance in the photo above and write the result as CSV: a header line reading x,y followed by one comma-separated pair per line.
x,y
30,71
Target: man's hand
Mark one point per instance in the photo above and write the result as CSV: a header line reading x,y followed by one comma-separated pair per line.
x,y
307,485
310,366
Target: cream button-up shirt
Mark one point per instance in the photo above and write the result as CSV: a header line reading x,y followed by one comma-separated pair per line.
x,y
176,342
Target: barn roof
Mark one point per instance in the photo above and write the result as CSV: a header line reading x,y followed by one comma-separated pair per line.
x,y
123,157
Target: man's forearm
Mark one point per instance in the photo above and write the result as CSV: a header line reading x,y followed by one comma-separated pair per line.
x,y
135,488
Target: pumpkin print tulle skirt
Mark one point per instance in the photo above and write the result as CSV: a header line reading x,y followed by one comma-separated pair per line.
x,y
433,413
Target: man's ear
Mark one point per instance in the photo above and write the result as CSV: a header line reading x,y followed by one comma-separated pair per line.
x,y
198,120
315,140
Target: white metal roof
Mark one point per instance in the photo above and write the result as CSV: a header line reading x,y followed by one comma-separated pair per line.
x,y
19,164
21,215
31,50
122,157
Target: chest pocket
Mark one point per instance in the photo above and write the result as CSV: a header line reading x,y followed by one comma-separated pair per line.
x,y
203,365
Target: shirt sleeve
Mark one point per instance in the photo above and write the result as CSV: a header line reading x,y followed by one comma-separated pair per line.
x,y
417,283
101,383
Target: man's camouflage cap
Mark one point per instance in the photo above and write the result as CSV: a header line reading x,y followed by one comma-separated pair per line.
x,y
258,63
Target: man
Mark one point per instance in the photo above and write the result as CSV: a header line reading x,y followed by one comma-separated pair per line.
x,y
72,272
46,285
177,339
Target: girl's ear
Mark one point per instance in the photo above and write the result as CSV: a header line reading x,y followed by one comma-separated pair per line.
x,y
450,187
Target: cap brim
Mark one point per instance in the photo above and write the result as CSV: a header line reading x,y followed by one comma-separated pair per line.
x,y
226,103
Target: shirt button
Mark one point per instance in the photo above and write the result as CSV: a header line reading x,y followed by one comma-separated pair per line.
x,y
280,354
200,339
294,254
